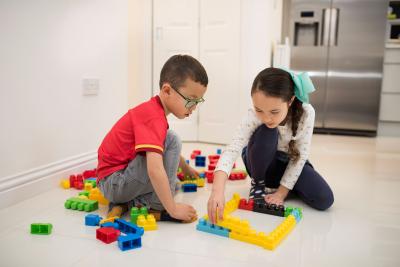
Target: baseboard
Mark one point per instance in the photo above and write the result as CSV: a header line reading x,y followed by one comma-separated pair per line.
x,y
19,187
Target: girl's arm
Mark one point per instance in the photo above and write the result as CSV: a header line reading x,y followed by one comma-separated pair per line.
x,y
216,201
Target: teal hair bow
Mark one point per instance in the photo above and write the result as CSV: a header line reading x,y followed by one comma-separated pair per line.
x,y
302,85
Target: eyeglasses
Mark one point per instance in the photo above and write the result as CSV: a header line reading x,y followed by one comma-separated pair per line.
x,y
190,102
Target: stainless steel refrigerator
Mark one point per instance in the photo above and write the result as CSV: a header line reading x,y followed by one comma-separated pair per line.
x,y
341,44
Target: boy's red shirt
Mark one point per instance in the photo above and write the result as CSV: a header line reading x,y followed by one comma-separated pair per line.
x,y
143,128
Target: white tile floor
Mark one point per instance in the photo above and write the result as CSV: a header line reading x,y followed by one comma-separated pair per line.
x,y
361,229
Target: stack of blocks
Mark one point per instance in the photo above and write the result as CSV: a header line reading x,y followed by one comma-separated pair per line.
x,y
141,218
128,235
41,228
233,227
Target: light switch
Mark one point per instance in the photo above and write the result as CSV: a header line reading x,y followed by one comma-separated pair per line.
x,y
90,86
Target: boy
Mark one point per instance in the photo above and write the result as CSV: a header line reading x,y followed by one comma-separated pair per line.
x,y
138,159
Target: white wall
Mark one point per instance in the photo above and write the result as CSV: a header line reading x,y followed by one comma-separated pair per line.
x,y
261,27
46,48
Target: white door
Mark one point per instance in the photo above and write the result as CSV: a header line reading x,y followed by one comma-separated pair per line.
x,y
220,55
175,31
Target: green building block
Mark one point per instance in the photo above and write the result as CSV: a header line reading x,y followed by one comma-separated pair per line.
x,y
135,212
41,228
90,182
76,203
84,193
288,210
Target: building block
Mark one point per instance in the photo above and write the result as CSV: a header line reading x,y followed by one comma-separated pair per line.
x,y
238,175
129,242
95,194
110,219
261,206
107,234
245,204
90,181
136,212
195,153
200,161
109,224
65,184
41,228
76,203
129,228
148,223
189,188
205,226
214,158
219,151
84,193
87,186
92,220
210,176
200,182
212,166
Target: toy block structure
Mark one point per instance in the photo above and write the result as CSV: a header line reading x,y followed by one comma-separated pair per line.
x,y
65,184
129,228
210,176
87,186
207,227
189,187
148,223
195,153
129,242
241,230
107,234
238,175
95,194
41,228
136,212
76,203
200,161
246,205
261,206
92,220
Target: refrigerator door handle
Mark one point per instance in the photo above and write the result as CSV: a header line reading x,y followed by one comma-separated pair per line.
x,y
333,33
326,15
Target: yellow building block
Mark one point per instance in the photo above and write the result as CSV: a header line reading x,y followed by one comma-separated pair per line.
x,y
65,184
83,197
200,182
111,219
148,223
88,187
95,194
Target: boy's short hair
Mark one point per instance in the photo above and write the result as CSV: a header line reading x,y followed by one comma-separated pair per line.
x,y
180,67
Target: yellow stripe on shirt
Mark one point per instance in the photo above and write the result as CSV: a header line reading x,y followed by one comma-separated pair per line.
x,y
149,146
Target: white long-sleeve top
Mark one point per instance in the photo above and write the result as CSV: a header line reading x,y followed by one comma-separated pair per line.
x,y
303,142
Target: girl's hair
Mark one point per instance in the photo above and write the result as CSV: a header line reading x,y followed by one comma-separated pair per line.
x,y
278,83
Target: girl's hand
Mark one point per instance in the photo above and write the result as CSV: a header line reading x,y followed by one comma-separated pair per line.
x,y
215,206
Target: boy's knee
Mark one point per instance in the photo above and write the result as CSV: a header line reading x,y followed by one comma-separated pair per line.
x,y
172,141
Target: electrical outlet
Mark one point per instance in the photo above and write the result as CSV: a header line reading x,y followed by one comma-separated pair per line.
x,y
90,86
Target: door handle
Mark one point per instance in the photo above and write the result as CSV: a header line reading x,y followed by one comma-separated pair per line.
x,y
333,33
326,16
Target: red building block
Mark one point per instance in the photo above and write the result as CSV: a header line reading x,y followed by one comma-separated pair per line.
x,y
195,153
213,157
209,176
180,176
89,173
107,234
246,205
237,175
211,167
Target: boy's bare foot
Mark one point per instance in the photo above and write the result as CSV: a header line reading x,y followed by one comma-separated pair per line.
x,y
164,216
117,210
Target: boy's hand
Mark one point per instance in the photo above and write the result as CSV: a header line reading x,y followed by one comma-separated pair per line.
x,y
215,206
187,170
184,212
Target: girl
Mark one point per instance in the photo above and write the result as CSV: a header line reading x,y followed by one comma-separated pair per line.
x,y
275,138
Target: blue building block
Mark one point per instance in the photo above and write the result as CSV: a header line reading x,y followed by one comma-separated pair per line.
x,y
128,242
297,214
189,188
110,224
92,219
200,161
187,161
219,151
128,228
207,227
91,179
202,175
